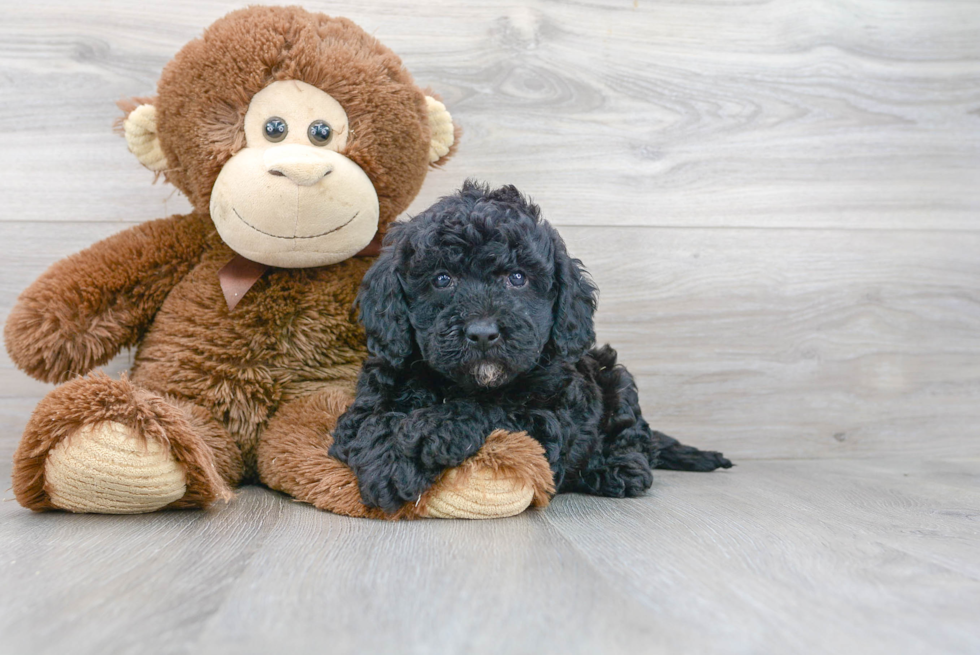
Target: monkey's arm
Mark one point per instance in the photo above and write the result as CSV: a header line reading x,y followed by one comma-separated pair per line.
x,y
87,307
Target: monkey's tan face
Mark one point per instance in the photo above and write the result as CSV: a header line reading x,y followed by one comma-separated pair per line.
x,y
289,198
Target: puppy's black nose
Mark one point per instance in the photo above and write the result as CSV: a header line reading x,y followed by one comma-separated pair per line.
x,y
482,333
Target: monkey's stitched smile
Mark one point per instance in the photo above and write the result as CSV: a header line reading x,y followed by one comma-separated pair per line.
x,y
313,236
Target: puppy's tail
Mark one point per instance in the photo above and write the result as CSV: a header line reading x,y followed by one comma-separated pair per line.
x,y
624,420
675,456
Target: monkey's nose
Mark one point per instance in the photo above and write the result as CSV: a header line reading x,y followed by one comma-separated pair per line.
x,y
482,333
303,165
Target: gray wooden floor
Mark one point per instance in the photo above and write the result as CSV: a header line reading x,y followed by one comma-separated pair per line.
x,y
793,556
781,204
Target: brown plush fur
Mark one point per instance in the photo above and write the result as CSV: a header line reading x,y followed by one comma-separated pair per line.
x,y
241,396
89,306
247,50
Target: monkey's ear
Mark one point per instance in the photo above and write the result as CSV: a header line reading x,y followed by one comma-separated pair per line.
x,y
443,132
383,309
140,128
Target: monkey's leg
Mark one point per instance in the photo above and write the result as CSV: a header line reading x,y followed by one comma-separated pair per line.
x,y
107,446
507,475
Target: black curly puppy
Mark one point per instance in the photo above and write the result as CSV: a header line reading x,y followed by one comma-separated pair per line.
x,y
478,319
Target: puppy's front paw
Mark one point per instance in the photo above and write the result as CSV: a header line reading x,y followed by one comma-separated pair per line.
x,y
506,476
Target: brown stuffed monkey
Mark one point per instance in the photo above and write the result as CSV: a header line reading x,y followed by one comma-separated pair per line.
x,y
297,138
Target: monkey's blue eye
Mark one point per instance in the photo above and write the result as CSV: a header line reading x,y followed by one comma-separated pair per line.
x,y
441,281
517,279
320,133
275,129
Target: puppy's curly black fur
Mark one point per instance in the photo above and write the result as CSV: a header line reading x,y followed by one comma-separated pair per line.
x,y
477,319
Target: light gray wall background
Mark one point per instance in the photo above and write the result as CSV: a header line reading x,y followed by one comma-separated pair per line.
x,y
779,200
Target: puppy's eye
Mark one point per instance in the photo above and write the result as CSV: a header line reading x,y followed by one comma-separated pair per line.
x,y
441,281
517,279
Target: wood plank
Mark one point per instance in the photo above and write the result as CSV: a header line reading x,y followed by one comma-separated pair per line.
x,y
796,343
761,343
770,557
123,584
612,112
509,586
793,556
14,413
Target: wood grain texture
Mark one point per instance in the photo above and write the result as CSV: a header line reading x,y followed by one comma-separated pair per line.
x,y
790,113
846,545
770,557
854,127
760,343
780,203
772,343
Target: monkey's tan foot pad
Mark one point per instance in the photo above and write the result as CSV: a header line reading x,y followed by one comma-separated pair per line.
x,y
505,477
483,496
105,468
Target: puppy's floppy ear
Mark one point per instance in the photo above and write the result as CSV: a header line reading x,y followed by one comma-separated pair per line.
x,y
573,331
383,309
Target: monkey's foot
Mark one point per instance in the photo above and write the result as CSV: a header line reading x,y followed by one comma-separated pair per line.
x,y
106,468
506,476
100,445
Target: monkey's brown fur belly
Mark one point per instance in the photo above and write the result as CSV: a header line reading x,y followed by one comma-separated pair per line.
x,y
292,334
